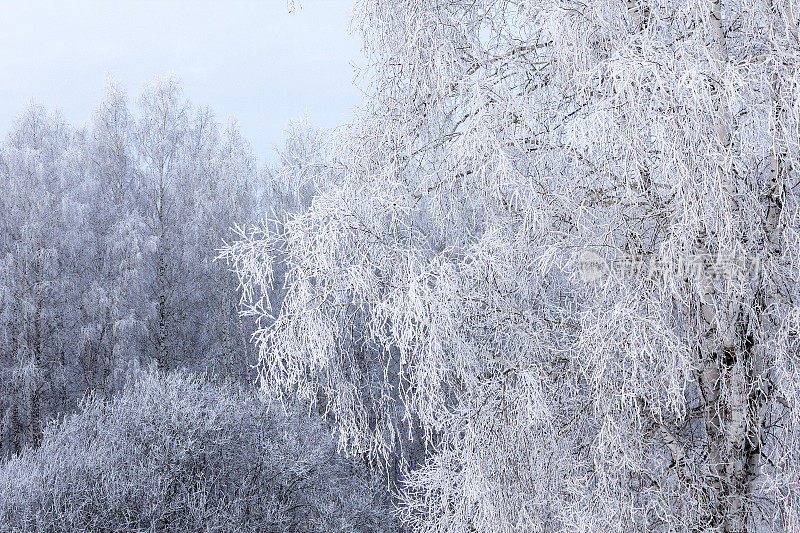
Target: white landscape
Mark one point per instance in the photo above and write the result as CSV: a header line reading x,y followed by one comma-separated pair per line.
x,y
534,268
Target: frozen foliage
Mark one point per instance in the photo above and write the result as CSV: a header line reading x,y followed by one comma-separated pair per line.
x,y
437,288
177,453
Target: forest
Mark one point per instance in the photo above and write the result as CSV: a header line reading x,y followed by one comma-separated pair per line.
x,y
545,280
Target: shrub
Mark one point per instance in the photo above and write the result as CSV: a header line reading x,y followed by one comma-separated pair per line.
x,y
178,453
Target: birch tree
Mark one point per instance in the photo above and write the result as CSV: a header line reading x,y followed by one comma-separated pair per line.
x,y
161,134
198,182
120,281
218,193
568,234
38,289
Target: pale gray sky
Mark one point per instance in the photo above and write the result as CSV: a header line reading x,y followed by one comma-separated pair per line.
x,y
254,60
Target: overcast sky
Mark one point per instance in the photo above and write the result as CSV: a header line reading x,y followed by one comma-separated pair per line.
x,y
254,60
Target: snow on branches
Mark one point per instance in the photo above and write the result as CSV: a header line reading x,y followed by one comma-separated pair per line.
x,y
435,289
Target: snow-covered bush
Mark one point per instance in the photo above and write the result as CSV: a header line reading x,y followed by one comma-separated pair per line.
x,y
177,453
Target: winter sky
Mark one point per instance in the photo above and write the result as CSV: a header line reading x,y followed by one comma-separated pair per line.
x,y
259,61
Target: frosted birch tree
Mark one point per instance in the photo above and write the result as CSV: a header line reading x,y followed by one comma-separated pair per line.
x,y
217,194
198,182
39,292
161,134
567,235
117,276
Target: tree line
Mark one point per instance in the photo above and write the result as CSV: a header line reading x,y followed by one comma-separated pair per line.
x,y
107,251
126,372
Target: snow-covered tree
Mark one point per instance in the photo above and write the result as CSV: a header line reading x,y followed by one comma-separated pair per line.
x,y
115,330
40,248
562,238
161,135
300,172
219,195
198,180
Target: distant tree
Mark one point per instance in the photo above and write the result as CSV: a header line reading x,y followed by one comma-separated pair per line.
x,y
116,326
505,148
161,142
198,181
38,276
220,195
301,171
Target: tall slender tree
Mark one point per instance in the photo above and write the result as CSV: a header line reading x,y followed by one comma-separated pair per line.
x,y
161,136
38,274
119,224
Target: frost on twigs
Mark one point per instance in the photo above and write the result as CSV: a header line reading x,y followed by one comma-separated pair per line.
x,y
432,294
177,453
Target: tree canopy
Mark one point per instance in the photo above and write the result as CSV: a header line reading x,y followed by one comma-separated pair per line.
x,y
437,289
